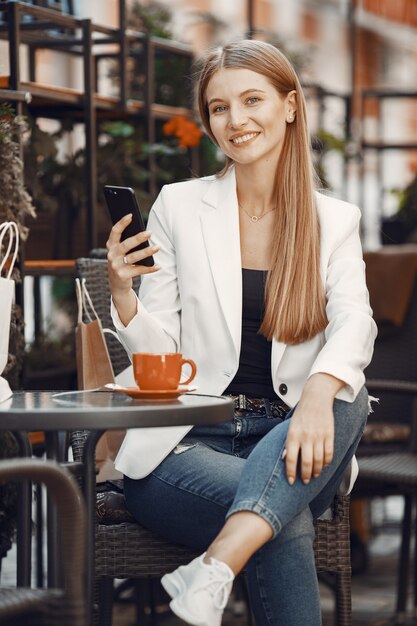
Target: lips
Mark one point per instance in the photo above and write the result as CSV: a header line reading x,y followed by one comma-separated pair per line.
x,y
243,138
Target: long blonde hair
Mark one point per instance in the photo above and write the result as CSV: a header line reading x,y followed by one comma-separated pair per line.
x,y
294,295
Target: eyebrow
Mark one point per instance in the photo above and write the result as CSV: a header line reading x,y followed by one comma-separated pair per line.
x,y
243,93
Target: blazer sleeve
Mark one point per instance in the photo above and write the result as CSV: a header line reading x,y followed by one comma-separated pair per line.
x,y
351,331
156,325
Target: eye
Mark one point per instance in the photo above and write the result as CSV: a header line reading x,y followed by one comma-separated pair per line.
x,y
253,100
220,108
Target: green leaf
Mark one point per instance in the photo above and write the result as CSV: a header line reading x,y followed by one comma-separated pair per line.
x,y
118,129
160,149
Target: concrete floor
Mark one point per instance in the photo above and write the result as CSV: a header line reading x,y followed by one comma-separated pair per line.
x,y
373,591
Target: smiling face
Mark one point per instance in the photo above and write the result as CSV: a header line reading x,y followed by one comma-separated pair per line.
x,y
247,115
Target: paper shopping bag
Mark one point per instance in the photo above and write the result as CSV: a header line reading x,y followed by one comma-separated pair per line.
x,y
94,369
8,233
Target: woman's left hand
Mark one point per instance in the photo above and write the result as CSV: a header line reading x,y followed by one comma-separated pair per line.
x,y
310,436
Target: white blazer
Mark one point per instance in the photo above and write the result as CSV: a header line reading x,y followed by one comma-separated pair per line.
x,y
193,304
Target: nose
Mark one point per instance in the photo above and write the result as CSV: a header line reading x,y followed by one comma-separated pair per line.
x,y
237,117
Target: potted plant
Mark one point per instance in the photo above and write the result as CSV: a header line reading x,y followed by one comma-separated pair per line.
x,y
402,226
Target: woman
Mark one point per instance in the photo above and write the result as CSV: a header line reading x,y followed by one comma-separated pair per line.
x,y
261,282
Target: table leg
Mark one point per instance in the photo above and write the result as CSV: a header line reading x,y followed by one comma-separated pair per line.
x,y
55,450
24,517
90,497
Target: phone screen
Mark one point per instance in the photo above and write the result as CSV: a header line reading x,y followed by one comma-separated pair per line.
x,y
121,201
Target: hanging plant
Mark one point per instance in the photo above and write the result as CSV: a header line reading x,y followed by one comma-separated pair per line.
x,y
15,205
15,202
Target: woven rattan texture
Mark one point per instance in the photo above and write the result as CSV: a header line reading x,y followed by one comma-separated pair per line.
x,y
37,607
130,551
95,273
17,603
397,468
332,541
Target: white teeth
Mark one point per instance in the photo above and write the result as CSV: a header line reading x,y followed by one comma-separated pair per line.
x,y
244,138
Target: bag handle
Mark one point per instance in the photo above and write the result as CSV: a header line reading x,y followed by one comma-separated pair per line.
x,y
12,230
80,300
84,298
85,304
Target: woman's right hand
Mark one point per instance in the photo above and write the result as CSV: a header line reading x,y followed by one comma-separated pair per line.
x,y
120,263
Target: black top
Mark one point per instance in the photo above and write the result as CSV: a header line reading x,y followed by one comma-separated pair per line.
x,y
253,376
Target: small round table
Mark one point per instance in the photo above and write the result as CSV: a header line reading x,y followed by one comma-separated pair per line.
x,y
96,411
104,410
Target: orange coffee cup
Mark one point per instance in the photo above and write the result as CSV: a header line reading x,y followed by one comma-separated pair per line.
x,y
160,371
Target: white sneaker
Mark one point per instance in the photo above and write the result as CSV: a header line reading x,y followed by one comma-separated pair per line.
x,y
199,591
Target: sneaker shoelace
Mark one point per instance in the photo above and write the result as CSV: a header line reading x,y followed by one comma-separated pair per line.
x,y
218,587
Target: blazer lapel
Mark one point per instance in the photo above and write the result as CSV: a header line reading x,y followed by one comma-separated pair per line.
x,y
220,226
277,352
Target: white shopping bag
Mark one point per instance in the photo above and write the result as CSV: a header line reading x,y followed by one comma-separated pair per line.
x,y
8,233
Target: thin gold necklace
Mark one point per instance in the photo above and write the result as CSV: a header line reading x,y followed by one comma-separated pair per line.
x,y
256,218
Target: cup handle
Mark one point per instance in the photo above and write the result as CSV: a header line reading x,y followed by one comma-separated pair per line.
x,y
193,370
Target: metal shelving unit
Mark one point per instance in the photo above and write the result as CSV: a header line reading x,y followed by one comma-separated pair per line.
x,y
379,147
41,28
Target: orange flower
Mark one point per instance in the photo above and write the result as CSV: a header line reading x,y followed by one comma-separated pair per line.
x,y
170,126
186,131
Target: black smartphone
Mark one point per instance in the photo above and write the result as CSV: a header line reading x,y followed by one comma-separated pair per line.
x,y
121,201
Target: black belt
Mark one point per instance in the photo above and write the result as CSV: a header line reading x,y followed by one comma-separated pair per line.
x,y
244,403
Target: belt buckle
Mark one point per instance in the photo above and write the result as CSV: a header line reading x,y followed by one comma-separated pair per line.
x,y
241,402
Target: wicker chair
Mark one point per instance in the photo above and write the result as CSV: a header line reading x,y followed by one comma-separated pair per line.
x,y
20,606
126,550
388,428
387,455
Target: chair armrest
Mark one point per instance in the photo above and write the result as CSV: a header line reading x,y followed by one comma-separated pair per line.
x,y
67,498
392,386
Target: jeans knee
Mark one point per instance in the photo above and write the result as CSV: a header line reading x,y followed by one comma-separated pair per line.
x,y
362,403
301,526
353,413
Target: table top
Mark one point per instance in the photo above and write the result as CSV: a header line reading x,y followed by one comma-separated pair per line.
x,y
103,410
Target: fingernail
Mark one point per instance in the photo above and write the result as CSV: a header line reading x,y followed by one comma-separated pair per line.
x,y
128,215
156,267
316,475
291,480
306,481
147,233
284,454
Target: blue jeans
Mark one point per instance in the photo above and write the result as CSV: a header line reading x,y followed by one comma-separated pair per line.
x,y
218,470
